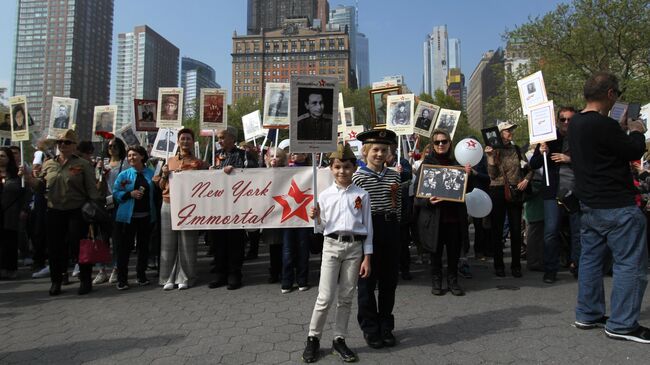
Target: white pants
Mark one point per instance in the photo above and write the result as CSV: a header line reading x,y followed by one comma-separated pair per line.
x,y
339,267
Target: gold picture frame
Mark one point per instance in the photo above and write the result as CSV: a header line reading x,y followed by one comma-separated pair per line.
x,y
378,112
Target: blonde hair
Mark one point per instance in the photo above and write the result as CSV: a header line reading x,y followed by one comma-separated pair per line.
x,y
279,153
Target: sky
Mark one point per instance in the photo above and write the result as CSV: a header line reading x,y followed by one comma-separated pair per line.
x,y
203,30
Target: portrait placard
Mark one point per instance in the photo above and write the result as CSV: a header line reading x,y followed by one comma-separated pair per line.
x,y
349,117
170,111
425,115
19,118
541,123
400,113
378,104
618,111
276,105
5,124
342,123
492,137
160,144
531,91
103,120
383,84
313,107
213,109
448,121
442,182
145,115
129,136
252,125
62,115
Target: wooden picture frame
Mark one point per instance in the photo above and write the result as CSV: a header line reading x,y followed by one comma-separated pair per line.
x,y
492,137
443,182
378,104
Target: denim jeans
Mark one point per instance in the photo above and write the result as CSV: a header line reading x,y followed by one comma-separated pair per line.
x,y
623,230
295,257
553,216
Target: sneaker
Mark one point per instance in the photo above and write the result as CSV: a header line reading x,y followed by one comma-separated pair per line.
x,y
304,287
464,270
640,335
100,278
42,273
550,277
312,349
599,323
286,291
143,282
340,348
75,271
168,286
113,278
122,286
183,286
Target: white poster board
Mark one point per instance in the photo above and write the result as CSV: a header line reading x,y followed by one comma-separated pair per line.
x,y
448,121
399,113
170,107
532,91
425,116
252,125
541,123
159,148
63,115
19,118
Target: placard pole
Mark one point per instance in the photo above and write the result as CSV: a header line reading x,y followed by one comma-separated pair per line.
x,y
169,132
22,163
212,163
315,186
546,170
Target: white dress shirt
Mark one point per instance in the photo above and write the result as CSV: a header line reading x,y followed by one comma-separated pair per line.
x,y
346,211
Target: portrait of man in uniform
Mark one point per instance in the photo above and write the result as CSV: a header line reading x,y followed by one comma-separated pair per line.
x,y
315,122
401,115
105,122
169,107
279,106
62,118
213,108
424,120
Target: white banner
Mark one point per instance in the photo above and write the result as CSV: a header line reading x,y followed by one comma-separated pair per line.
x,y
247,198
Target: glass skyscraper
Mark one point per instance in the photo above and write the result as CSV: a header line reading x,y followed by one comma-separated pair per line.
x,y
195,75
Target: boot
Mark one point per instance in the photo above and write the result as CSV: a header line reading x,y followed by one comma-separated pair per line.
x,y
436,288
454,288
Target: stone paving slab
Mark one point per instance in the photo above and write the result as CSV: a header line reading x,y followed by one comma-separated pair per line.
x,y
522,321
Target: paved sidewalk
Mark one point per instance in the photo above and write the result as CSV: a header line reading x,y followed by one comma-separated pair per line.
x,y
498,321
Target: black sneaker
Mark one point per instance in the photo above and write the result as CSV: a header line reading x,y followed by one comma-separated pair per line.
x,y
599,323
388,338
122,286
550,277
340,348
640,335
516,272
373,340
312,349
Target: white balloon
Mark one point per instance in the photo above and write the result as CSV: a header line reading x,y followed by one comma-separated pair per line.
x,y
478,203
283,144
469,151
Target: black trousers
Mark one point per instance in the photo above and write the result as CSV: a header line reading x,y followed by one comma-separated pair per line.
x,y
37,230
449,237
405,253
376,314
228,253
482,239
140,229
8,250
65,228
499,210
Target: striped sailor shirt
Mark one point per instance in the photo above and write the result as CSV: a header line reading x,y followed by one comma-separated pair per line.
x,y
383,188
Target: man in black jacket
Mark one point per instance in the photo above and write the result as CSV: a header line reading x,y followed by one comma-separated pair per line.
x,y
601,152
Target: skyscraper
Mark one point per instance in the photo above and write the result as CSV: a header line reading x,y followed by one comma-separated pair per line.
x,y
483,86
363,60
145,62
63,48
271,14
195,75
454,53
345,17
436,58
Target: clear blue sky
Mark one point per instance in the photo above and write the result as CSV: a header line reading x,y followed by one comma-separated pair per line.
x,y
203,30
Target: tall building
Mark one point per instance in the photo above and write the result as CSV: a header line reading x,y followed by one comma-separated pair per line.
x,y
483,85
456,85
271,14
323,13
295,50
63,48
145,62
454,53
195,75
363,60
346,18
436,56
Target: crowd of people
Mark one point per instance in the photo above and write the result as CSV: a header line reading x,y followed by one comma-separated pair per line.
x,y
584,208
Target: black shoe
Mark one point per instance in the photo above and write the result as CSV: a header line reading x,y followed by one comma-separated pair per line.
x,y
436,287
65,279
573,269
217,284
312,349
340,348
123,286
388,338
500,273
599,323
85,287
550,277
234,286
516,272
55,289
407,276
454,287
373,340
640,335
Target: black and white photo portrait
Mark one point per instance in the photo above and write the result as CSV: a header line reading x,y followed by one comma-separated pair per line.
x,y
448,121
276,105
315,114
145,115
442,182
492,137
313,108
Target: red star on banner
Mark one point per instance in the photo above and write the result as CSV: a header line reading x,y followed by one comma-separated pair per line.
x,y
471,143
352,135
321,82
296,198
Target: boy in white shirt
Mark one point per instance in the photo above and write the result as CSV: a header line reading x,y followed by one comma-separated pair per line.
x,y
346,223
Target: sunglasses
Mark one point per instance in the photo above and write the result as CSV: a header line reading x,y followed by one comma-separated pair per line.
x,y
64,141
564,119
441,142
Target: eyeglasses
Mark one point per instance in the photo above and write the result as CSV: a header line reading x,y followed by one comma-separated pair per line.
x,y
563,120
64,141
441,142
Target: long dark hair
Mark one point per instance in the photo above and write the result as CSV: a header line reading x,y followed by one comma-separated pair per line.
x,y
12,167
121,147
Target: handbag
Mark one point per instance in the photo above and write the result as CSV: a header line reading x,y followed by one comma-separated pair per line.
x,y
92,212
93,251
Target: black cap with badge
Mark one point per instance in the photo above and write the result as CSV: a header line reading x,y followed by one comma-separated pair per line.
x,y
382,136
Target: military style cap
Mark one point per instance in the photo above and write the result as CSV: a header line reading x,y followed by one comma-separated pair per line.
x,y
171,99
383,136
343,152
68,135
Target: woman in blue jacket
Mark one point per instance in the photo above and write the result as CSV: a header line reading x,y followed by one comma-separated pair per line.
x,y
133,189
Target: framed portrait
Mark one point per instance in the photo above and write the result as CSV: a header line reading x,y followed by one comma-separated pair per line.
x,y
213,109
104,120
349,116
400,113
62,115
165,143
19,117
492,137
129,136
5,124
448,120
252,125
618,111
342,122
425,116
276,105
146,112
531,91
541,123
170,111
382,84
313,108
379,104
443,182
